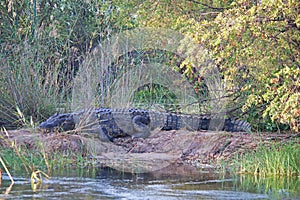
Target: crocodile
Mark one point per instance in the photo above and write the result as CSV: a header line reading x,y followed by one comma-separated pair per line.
x,y
110,123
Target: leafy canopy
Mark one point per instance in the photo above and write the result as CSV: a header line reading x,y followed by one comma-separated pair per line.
x,y
256,45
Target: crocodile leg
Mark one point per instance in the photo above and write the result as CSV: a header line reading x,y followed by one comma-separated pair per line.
x,y
140,126
104,135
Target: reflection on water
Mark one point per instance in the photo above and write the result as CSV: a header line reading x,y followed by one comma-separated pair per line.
x,y
110,184
276,187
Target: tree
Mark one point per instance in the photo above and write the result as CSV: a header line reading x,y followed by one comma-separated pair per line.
x,y
256,46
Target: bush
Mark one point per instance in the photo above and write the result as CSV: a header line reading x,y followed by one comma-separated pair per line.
x,y
256,47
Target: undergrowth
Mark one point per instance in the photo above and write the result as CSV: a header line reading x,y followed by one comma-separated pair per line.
x,y
28,161
28,157
271,160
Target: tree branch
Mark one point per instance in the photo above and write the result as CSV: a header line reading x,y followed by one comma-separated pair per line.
x,y
208,6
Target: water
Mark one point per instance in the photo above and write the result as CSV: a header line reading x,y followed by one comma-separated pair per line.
x,y
110,184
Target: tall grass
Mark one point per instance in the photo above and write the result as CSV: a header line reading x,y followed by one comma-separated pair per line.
x,y
273,160
36,161
28,84
23,160
41,47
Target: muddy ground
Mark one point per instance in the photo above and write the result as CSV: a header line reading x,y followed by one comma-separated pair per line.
x,y
162,150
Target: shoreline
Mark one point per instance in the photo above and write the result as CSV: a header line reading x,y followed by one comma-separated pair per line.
x,y
202,149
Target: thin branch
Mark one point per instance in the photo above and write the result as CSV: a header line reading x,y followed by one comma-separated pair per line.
x,y
208,6
210,13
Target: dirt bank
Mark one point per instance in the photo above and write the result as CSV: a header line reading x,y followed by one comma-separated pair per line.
x,y
160,151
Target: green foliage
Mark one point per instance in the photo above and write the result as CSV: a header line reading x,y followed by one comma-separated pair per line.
x,y
275,160
153,94
256,46
255,117
27,161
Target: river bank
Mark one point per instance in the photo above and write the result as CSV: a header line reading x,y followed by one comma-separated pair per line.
x,y
175,152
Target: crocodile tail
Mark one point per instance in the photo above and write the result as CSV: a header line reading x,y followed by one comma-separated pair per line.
x,y
234,125
202,122
193,122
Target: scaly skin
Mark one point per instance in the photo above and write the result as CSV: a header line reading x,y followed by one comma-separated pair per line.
x,y
112,123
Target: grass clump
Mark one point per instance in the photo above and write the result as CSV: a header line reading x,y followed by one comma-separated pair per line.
x,y
25,153
26,161
40,50
271,160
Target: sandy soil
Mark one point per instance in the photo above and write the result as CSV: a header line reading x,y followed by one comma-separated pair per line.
x,y
162,150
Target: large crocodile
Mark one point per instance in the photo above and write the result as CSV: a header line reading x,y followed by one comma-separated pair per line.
x,y
112,123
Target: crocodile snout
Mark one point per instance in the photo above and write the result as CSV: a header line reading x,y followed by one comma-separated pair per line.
x,y
63,122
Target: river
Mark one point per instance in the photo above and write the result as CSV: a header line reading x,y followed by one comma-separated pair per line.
x,y
110,184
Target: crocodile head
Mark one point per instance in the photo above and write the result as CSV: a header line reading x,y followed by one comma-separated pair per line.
x,y
62,122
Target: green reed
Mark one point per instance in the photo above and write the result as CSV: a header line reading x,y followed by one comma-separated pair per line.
x,y
271,160
27,161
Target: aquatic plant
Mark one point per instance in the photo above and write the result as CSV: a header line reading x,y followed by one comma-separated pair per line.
x,y
271,160
33,155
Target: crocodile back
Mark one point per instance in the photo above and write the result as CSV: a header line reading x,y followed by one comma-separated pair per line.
x,y
118,122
